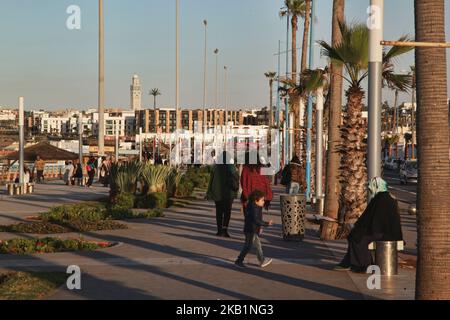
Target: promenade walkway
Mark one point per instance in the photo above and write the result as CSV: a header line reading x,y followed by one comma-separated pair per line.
x,y
179,257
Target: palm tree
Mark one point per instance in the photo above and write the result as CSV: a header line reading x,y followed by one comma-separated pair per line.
x,y
352,52
295,9
155,92
271,76
433,196
332,188
307,18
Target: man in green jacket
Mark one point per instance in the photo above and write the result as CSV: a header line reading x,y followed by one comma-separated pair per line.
x,y
222,189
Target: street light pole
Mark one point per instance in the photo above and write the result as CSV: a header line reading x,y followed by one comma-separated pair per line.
x,y
177,85
286,115
319,150
310,108
205,23
80,138
225,68
278,96
101,82
21,143
375,24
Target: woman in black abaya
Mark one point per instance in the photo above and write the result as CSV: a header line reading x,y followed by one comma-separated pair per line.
x,y
379,222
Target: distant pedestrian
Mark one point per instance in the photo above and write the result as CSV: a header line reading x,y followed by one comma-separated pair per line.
x,y
105,171
78,176
39,166
68,172
293,177
222,189
90,168
252,229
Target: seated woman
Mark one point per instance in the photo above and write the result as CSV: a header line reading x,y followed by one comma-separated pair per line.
x,y
379,222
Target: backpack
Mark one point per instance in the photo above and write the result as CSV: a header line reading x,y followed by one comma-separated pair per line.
x,y
286,176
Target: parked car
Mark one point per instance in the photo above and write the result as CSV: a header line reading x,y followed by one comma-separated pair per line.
x,y
390,164
408,172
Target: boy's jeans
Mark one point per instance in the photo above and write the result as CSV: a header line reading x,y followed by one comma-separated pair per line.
x,y
250,240
293,188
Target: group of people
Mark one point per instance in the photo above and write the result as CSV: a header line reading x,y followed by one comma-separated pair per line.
x,y
379,222
75,172
224,185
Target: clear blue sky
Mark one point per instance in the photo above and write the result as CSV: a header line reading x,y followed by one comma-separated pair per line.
x,y
57,68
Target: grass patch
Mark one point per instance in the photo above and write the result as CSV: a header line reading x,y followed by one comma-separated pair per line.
x,y
20,246
29,285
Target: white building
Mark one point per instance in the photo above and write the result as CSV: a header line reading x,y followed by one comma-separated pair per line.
x,y
7,115
122,121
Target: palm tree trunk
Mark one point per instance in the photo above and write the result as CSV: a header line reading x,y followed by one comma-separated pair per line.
x,y
433,197
353,180
332,190
306,34
294,22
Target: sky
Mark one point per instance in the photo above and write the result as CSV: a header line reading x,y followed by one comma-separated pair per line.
x,y
56,68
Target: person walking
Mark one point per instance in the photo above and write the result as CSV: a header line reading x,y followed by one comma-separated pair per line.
x,y
39,166
79,174
90,168
251,180
68,172
222,189
105,171
293,177
252,229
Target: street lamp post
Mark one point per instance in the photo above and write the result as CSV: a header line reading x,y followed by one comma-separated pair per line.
x,y
205,66
225,68
177,81
319,150
310,108
21,143
375,24
101,82
80,139
286,115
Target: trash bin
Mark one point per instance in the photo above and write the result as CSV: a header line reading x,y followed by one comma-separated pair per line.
x,y
293,209
386,257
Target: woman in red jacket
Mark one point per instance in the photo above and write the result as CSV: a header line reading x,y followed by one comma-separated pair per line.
x,y
251,180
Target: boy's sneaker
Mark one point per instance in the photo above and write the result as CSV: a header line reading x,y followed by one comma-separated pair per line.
x,y
240,264
341,267
266,262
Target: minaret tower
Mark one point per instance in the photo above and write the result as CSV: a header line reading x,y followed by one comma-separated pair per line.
x,y
135,93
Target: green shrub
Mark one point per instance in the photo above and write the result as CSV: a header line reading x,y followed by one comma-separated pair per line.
x,y
124,201
156,200
47,245
198,176
185,188
91,212
35,228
